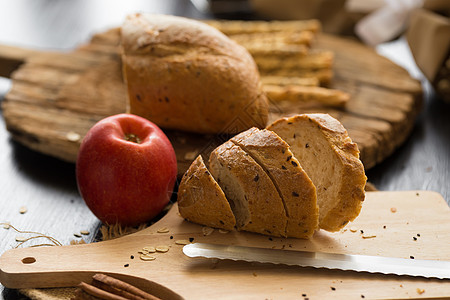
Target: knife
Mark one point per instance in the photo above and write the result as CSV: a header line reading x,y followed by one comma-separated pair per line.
x,y
346,262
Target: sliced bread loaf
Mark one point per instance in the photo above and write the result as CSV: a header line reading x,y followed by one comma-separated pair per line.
x,y
201,200
293,185
253,198
331,160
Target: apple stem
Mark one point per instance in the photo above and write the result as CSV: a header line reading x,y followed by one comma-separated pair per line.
x,y
132,138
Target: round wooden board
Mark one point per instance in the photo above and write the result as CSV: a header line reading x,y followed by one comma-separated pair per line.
x,y
56,97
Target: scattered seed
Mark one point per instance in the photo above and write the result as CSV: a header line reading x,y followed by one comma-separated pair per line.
x,y
191,239
353,229
384,226
393,210
163,230
418,234
21,239
162,248
362,231
207,230
412,257
303,295
73,136
191,155
420,291
84,232
77,235
148,250
171,237
132,256
126,265
23,209
414,238
147,257
182,242
223,231
333,288
368,236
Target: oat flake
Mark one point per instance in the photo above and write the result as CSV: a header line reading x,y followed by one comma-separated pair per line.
x,y
73,136
23,209
182,242
21,239
163,230
148,250
147,257
190,155
207,230
162,248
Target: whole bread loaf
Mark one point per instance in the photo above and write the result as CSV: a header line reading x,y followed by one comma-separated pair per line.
x,y
331,160
300,174
186,75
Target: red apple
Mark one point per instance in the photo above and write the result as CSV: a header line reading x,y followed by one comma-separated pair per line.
x,y
126,170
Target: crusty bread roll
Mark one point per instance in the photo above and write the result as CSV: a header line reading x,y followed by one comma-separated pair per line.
x,y
293,184
253,197
201,200
331,160
183,74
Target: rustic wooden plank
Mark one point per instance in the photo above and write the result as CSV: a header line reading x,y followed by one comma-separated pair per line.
x,y
377,116
12,57
351,56
46,76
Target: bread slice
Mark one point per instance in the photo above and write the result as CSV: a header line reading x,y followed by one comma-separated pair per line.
x,y
293,185
201,200
253,198
331,160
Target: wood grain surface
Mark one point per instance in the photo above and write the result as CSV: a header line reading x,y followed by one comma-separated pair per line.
x,y
395,224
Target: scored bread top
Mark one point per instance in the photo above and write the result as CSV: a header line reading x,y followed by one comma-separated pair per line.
x,y
186,75
331,160
201,200
293,184
253,197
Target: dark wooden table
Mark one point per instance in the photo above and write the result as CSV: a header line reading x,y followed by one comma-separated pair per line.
x,y
47,186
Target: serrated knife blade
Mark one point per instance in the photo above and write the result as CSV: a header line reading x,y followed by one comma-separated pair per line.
x,y
347,262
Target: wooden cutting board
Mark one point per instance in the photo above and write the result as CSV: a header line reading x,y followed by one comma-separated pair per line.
x,y
396,224
56,97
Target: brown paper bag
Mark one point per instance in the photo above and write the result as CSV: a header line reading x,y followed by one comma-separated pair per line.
x,y
428,36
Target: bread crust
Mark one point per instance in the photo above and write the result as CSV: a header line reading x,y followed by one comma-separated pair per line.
x,y
253,198
293,184
186,75
345,172
201,200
